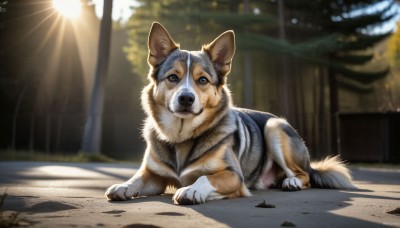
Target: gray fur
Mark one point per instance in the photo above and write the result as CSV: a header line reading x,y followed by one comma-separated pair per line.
x,y
181,55
236,148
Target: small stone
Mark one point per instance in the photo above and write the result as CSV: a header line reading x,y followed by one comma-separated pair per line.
x,y
288,224
265,205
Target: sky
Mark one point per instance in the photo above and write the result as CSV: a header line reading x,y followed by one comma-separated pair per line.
x,y
122,9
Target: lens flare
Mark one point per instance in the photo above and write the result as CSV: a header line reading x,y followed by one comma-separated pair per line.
x,y
68,8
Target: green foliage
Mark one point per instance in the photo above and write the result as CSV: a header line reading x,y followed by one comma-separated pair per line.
x,y
165,11
362,25
190,22
331,32
353,58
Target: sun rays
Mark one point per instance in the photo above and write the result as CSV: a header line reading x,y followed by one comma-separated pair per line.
x,y
68,8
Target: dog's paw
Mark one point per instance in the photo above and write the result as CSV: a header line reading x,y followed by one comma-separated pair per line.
x,y
120,192
291,184
196,193
189,195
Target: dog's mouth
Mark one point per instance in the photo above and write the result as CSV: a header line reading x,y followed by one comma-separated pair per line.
x,y
185,112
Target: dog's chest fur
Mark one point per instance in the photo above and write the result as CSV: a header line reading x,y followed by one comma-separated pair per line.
x,y
230,141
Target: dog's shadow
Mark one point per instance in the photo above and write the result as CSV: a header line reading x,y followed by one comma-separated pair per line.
x,y
312,207
283,208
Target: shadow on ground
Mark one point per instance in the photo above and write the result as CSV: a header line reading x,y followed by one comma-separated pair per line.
x,y
73,194
302,209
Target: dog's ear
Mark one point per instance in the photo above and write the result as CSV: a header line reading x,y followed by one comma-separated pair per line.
x,y
221,52
160,44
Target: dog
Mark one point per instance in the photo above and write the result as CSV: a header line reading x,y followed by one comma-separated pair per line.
x,y
200,144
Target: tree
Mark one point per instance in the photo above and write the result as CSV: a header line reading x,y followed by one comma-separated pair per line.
x,y
357,26
340,30
92,134
335,35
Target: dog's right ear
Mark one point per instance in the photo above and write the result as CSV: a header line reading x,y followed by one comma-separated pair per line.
x,y
160,44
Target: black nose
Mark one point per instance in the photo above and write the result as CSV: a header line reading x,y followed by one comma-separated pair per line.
x,y
186,99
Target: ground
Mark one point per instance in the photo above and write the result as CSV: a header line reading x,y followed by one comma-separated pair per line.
x,y
72,195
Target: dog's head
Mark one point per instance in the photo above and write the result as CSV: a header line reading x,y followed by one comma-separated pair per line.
x,y
187,83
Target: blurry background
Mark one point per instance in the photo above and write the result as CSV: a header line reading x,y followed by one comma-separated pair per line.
x,y
332,68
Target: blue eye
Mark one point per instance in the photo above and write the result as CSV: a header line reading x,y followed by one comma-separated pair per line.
x,y
173,78
203,80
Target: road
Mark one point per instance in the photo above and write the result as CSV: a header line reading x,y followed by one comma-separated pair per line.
x,y
72,195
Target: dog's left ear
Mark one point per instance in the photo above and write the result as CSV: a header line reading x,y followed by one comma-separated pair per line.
x,y
221,52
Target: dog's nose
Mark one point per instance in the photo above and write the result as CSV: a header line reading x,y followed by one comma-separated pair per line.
x,y
186,99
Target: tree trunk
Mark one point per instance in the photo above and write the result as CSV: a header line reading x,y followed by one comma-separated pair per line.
x,y
285,80
248,69
32,135
93,127
15,117
334,112
248,81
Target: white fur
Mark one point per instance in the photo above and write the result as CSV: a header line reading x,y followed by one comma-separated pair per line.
x,y
126,190
198,192
187,80
291,182
185,86
332,172
243,133
179,129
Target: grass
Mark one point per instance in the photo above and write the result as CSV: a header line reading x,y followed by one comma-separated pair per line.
x,y
40,156
11,219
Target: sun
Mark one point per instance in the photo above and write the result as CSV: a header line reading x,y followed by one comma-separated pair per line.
x,y
68,8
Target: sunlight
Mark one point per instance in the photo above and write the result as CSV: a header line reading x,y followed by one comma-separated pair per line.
x,y
122,9
68,8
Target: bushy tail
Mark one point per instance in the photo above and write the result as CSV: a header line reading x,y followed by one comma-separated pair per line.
x,y
330,173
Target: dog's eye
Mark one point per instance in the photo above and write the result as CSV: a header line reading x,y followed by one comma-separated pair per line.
x,y
203,80
173,78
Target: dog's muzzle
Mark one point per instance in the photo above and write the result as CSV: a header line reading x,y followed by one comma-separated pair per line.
x,y
185,105
186,99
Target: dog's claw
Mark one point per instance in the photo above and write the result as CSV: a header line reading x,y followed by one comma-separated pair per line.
x,y
291,184
119,192
189,196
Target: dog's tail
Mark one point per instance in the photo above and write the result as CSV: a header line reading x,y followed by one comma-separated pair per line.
x,y
330,173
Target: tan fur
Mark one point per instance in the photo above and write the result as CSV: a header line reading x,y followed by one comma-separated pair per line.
x,y
209,95
291,164
156,184
200,144
332,169
178,70
210,163
225,182
243,191
155,99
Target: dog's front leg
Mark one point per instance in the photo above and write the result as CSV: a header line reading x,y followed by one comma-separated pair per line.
x,y
142,183
224,184
128,189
